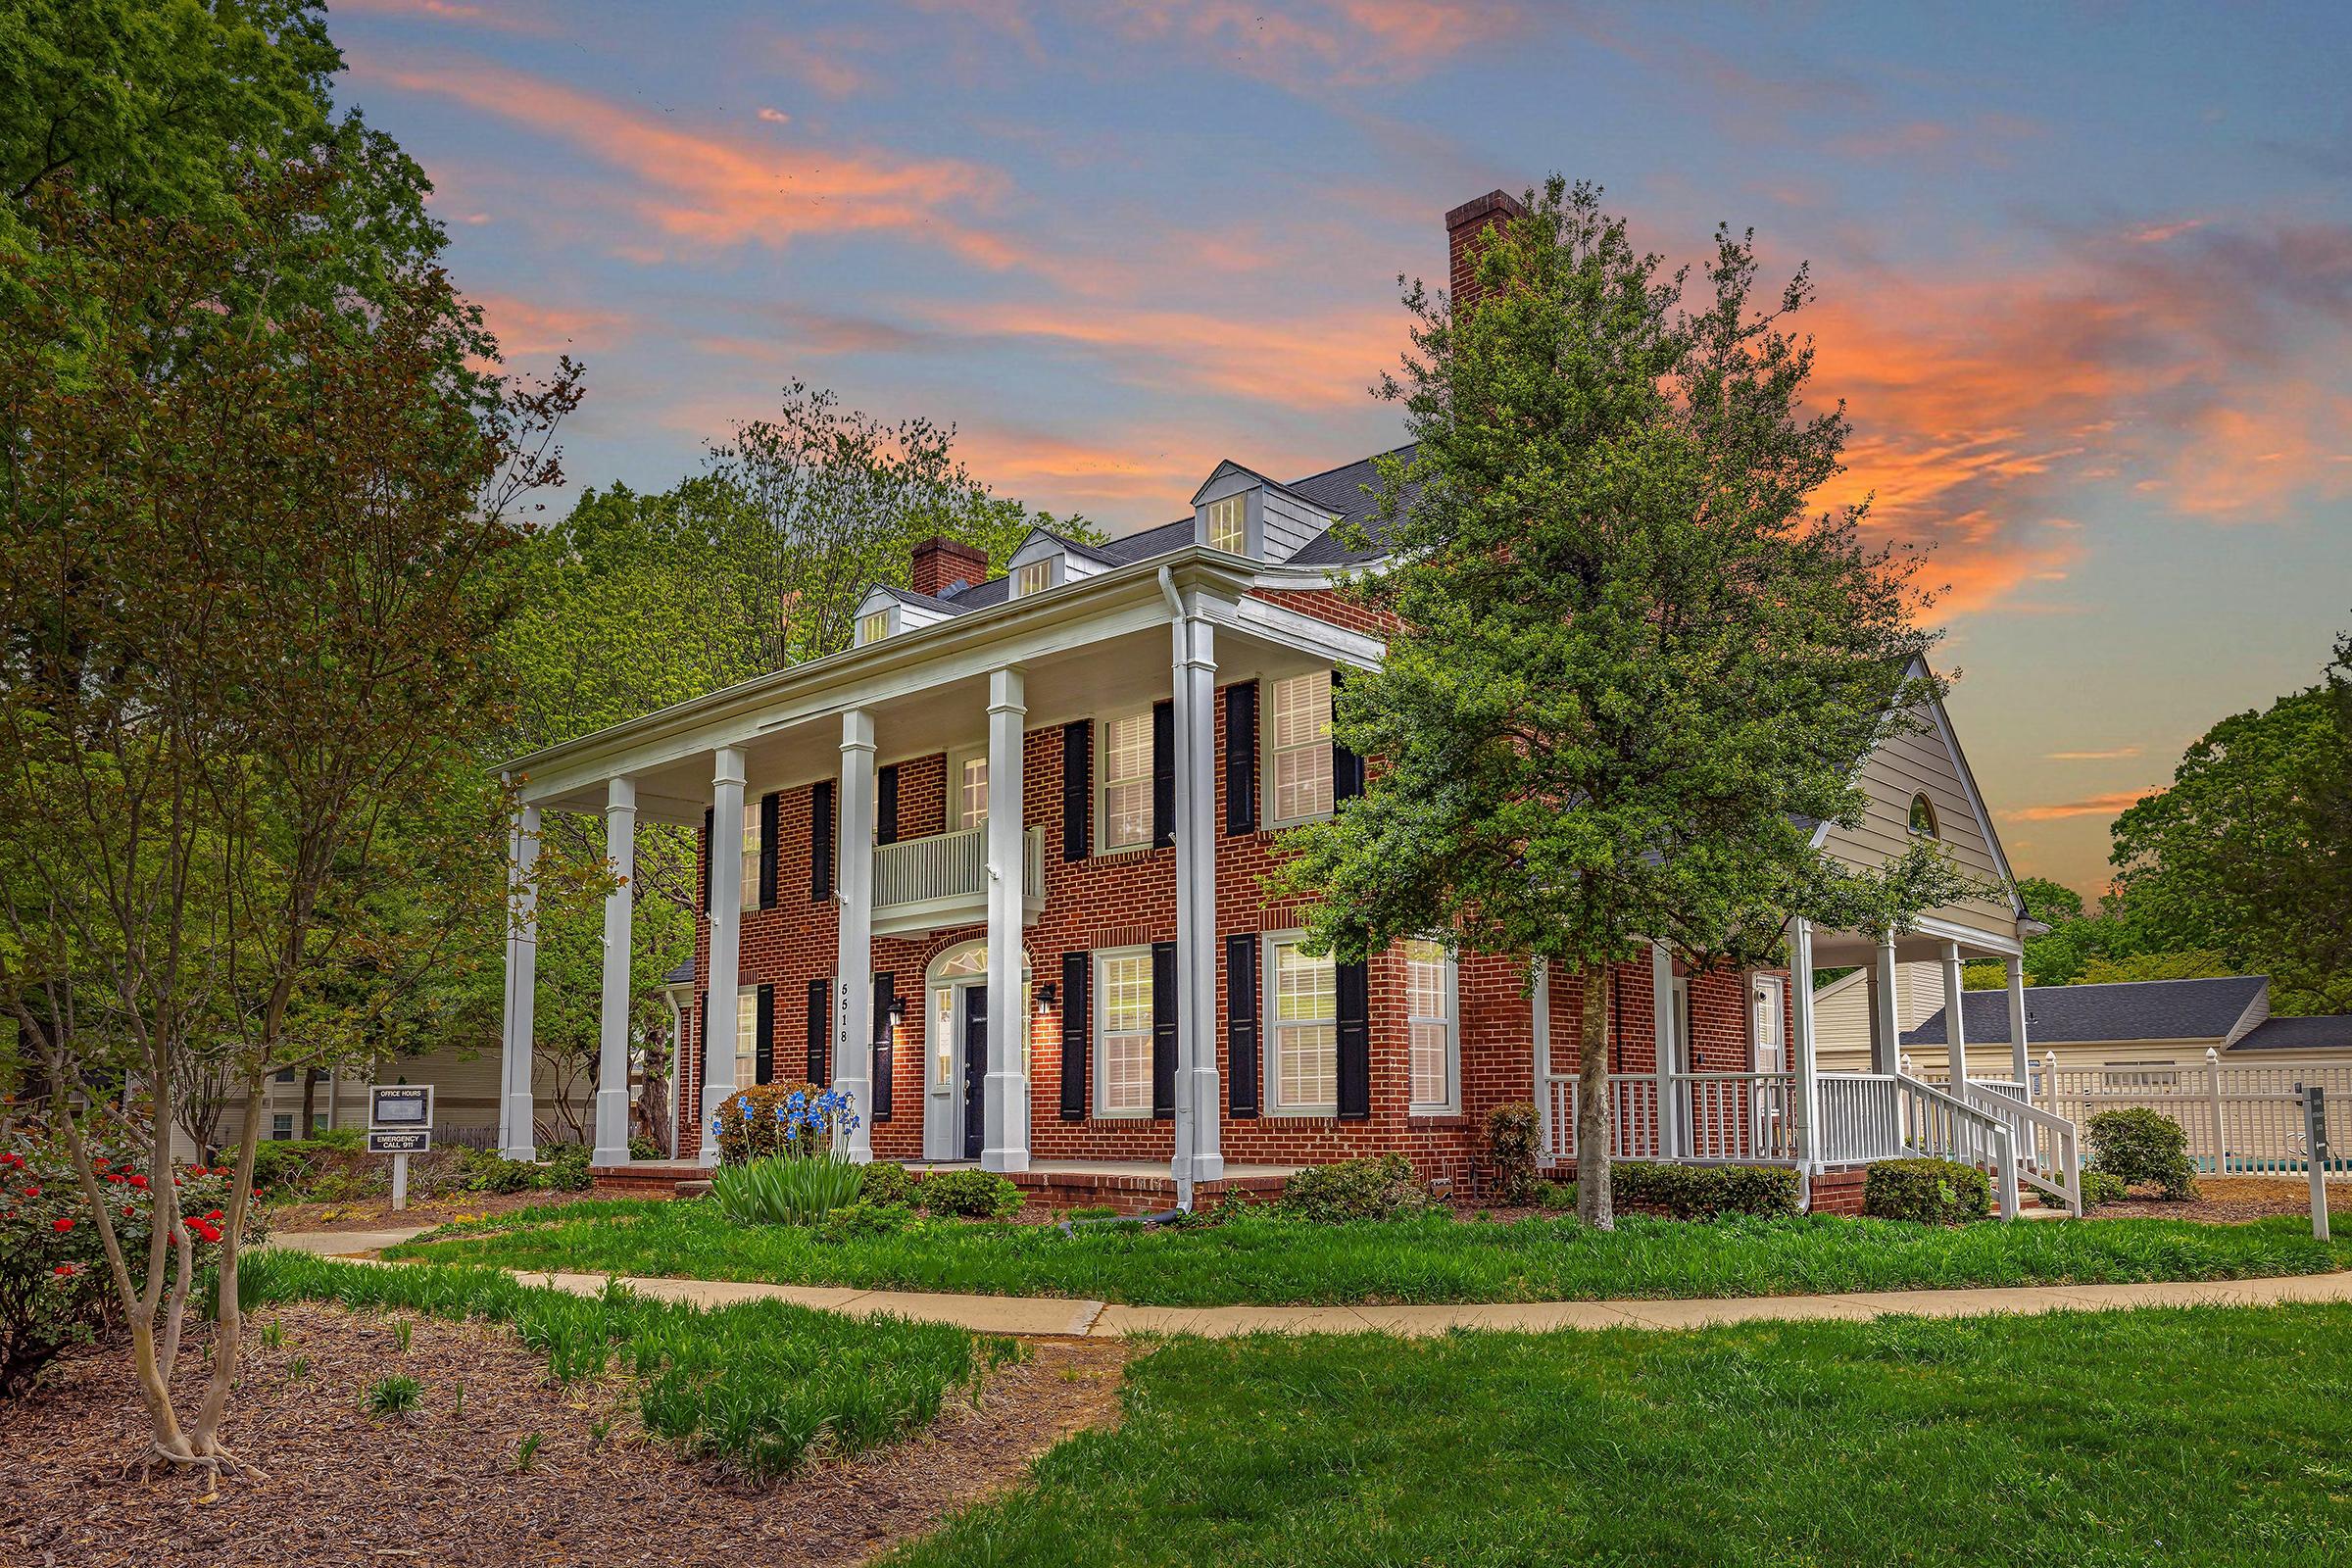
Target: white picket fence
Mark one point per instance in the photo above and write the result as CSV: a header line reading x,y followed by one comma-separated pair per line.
x,y
2240,1120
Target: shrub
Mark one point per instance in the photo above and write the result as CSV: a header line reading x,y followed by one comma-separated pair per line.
x,y
1511,1145
643,1148
852,1221
785,1189
2140,1146
771,1119
969,1195
55,1291
886,1182
1932,1191
1556,1195
485,1170
2098,1187
1383,1187
341,1140
562,1168
1704,1192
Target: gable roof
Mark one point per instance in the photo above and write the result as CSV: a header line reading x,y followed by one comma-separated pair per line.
x,y
1344,490
2129,1009
2298,1034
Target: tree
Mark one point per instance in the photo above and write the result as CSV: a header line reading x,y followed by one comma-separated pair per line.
x,y
2248,854
1630,671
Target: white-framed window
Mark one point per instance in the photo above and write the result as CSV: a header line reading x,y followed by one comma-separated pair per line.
x,y
1123,1032
1302,1029
1229,524
1123,798
1298,748
873,628
1433,1027
968,788
281,1127
747,1036
2139,1075
1034,578
750,887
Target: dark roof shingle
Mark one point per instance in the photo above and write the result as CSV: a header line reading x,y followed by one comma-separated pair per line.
x,y
2132,1009
2298,1034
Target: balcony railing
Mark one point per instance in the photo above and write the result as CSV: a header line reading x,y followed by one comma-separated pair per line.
x,y
943,879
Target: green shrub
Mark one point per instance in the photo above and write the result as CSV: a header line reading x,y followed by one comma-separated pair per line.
x,y
785,1189
282,1169
1703,1191
1556,1195
342,1140
562,1168
486,1170
1511,1145
853,1221
1932,1192
643,1148
886,1182
969,1195
1384,1187
2099,1187
2140,1146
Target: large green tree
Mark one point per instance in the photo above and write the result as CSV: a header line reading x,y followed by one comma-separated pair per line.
x,y
1632,669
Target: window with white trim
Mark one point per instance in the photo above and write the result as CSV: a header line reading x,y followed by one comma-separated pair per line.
x,y
281,1126
1123,1032
1303,1015
747,1036
1433,1027
1299,756
873,628
1034,578
750,887
1123,815
968,788
1229,524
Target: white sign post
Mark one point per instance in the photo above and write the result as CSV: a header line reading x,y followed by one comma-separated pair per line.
x,y
400,1123
2316,1155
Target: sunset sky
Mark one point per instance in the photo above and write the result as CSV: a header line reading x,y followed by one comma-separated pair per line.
x,y
2086,277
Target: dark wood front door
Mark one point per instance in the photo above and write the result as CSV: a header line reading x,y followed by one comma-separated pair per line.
x,y
975,1069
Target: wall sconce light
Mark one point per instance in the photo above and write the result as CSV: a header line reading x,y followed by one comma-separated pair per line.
x,y
1044,997
898,1012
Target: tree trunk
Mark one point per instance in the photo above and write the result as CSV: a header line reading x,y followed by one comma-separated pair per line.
x,y
310,1102
1593,1201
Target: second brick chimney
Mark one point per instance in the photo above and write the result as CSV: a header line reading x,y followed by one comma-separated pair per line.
x,y
1467,228
943,565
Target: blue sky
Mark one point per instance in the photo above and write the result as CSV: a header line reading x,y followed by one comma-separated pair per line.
x,y
2085,274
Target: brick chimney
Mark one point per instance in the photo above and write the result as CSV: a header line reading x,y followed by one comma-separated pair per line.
x,y
943,565
1465,230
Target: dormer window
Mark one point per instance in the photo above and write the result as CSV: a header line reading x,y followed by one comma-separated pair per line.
x,y
873,628
1228,524
1034,578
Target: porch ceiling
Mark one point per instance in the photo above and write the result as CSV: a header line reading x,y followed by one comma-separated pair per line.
x,y
1842,949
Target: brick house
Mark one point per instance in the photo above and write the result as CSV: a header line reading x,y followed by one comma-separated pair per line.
x,y
995,871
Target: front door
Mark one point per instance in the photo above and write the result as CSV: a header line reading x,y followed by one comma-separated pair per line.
x,y
1769,1001
975,1069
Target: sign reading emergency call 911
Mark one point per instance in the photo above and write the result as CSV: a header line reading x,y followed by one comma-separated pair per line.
x,y
401,1105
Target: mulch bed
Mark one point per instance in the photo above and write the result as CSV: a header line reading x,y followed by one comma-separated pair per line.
x,y
378,1214
440,1486
2233,1200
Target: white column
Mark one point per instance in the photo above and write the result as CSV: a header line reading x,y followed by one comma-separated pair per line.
x,y
1199,1156
1885,1003
1006,1140
613,1021
726,940
1953,1031
853,975
1541,1032
1661,1017
1808,1071
515,1139
2021,1058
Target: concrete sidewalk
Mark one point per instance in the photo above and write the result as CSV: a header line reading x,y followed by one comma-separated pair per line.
x,y
1055,1315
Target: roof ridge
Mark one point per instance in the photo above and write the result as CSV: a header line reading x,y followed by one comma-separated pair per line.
x,y
1325,474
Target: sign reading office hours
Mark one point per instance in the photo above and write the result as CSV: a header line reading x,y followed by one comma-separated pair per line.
x,y
402,1106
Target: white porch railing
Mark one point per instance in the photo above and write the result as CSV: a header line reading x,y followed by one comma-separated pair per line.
x,y
1719,1117
946,874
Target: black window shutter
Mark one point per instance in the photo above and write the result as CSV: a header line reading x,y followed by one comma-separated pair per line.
x,y
710,819
885,1043
1347,768
764,1035
1164,1030
820,1031
1241,1024
821,839
1077,1030
1241,759
886,805
1077,785
1356,1042
1163,774
770,815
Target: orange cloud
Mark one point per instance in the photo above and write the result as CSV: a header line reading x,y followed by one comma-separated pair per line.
x,y
1035,464
1336,43
2092,805
2091,757
712,189
522,327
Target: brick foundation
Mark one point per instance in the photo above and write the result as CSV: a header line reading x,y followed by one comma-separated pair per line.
x,y
1838,1189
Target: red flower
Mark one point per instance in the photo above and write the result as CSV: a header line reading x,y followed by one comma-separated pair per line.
x,y
102,1164
33,1192
215,1215
66,1271
140,1182
126,1211
61,1226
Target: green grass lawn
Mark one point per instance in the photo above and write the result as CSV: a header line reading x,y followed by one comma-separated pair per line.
x,y
758,1387
2194,1437
1257,1260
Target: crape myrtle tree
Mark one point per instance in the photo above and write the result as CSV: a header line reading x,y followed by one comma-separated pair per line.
x,y
1632,669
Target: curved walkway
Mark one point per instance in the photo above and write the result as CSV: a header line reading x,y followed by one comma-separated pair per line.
x,y
1059,1317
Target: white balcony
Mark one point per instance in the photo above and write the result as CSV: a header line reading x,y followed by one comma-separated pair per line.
x,y
931,883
